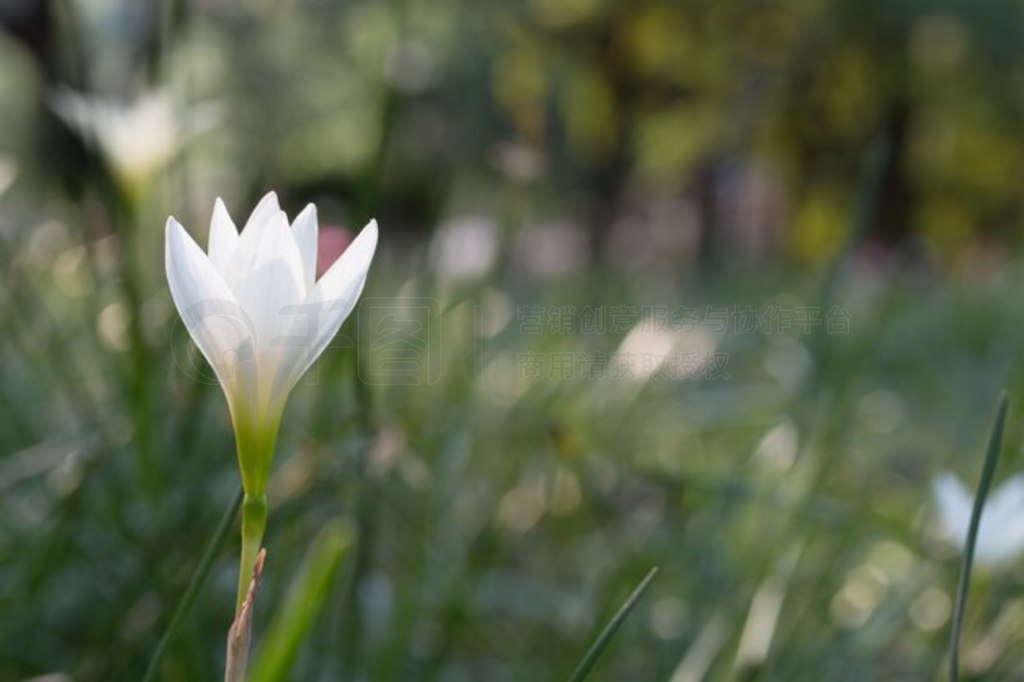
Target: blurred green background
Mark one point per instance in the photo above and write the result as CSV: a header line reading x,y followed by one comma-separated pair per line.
x,y
713,285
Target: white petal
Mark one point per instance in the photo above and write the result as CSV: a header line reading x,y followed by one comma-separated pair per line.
x,y
265,276
210,312
1001,534
352,265
263,213
1006,503
261,229
223,237
954,505
327,307
1001,529
306,231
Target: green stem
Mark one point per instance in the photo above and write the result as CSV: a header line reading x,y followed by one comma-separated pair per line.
x,y
139,383
194,585
254,522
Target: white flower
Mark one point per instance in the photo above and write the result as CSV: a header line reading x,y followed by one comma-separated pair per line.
x,y
255,310
136,137
1001,530
651,348
465,248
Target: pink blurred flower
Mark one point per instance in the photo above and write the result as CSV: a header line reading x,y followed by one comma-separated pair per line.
x,y
331,243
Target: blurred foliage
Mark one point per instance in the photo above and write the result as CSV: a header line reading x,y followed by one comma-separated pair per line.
x,y
755,114
521,156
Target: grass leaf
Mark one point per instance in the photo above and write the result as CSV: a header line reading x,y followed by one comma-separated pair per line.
x,y
194,585
599,645
987,472
306,598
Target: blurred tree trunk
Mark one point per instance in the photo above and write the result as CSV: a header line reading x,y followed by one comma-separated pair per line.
x,y
890,223
608,177
34,24
705,190
30,22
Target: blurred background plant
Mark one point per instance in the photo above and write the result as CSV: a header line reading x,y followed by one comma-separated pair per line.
x,y
717,285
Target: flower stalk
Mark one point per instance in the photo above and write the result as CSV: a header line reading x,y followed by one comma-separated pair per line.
x,y
254,523
255,438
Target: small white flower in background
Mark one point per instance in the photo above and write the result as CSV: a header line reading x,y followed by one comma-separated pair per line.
x,y
136,137
465,248
1001,530
652,348
254,308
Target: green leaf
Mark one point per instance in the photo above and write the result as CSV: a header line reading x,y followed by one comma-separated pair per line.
x,y
194,586
987,472
306,598
599,645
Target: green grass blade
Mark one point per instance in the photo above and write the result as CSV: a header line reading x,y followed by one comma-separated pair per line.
x,y
599,645
194,585
987,472
307,597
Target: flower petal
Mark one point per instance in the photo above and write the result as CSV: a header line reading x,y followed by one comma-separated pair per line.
x,y
265,275
223,237
326,308
264,211
217,324
350,267
1001,534
1005,504
954,505
305,230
